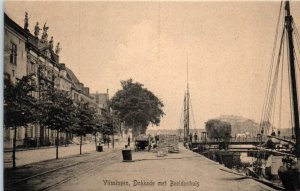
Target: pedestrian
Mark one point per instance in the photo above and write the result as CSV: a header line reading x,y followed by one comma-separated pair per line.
x,y
108,140
196,137
149,142
104,139
128,141
156,139
191,137
273,134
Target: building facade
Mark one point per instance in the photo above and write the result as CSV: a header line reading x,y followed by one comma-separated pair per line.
x,y
101,99
26,53
14,65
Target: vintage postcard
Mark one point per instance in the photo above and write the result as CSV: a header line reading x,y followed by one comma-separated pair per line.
x,y
151,95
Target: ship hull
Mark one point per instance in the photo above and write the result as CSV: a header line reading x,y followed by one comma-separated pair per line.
x,y
290,178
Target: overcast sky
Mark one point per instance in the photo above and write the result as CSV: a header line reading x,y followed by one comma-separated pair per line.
x,y
228,46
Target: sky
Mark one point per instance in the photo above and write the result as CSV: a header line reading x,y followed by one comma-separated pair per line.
x,y
227,46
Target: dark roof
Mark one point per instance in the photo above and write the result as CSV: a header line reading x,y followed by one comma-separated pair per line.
x,y
73,78
8,21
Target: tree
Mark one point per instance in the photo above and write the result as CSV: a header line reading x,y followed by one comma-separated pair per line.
x,y
58,112
19,106
86,121
97,128
110,125
136,106
217,129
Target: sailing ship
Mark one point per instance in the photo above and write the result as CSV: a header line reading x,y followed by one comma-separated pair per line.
x,y
289,172
186,111
190,135
229,159
272,160
186,114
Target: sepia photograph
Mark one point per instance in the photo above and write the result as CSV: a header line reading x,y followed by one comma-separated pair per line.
x,y
151,95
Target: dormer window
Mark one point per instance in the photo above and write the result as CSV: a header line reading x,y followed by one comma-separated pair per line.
x,y
47,53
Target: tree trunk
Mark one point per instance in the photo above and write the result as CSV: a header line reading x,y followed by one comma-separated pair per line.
x,y
48,141
95,140
66,138
14,147
136,131
80,143
143,130
57,142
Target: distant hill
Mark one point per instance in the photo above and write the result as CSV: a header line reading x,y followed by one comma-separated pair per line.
x,y
241,124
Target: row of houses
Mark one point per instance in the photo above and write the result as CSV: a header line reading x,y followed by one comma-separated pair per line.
x,y
26,53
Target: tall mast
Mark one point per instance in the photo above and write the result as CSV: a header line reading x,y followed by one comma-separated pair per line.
x,y
184,120
289,27
187,99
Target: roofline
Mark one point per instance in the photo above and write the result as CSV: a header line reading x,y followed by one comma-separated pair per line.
x,y
9,22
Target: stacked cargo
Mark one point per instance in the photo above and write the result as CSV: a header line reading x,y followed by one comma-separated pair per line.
x,y
167,143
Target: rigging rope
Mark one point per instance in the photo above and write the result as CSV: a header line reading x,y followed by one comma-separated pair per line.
x,y
297,39
297,63
192,113
181,116
271,97
271,69
281,84
291,106
272,107
296,34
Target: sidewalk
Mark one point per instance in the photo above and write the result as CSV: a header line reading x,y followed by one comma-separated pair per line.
x,y
177,172
24,157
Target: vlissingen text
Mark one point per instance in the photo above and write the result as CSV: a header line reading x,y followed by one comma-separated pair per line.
x,y
149,183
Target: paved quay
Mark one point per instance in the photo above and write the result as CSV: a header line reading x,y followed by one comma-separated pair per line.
x,y
179,171
47,174
25,157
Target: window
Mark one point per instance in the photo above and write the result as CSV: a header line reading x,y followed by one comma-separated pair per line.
x,y
7,133
31,68
76,97
13,53
19,133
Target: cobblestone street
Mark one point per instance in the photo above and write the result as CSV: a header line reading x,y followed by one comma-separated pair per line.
x,y
106,171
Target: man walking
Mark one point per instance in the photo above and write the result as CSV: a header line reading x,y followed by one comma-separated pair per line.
x,y
196,137
128,141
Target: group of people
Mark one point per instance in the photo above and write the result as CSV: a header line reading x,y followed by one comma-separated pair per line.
x,y
152,141
288,162
195,137
106,140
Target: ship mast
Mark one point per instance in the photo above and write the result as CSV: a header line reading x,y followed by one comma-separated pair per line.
x,y
289,28
187,107
187,100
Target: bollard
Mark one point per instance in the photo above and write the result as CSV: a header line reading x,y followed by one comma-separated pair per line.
x,y
127,155
99,148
